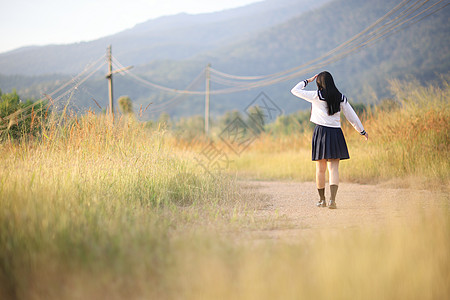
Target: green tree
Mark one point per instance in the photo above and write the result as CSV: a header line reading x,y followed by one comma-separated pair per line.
x,y
190,128
292,123
229,117
125,105
256,119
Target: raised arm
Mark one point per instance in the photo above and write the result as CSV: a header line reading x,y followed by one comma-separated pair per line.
x,y
299,91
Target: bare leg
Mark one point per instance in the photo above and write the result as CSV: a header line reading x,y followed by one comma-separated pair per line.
x,y
333,169
321,168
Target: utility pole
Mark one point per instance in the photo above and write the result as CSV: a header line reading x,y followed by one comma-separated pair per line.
x,y
110,81
208,77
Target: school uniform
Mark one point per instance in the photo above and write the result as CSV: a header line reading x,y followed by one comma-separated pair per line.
x,y
328,141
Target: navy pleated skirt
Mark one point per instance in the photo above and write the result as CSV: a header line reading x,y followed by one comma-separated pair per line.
x,y
328,143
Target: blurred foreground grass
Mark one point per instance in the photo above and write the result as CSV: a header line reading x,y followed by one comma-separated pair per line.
x,y
395,261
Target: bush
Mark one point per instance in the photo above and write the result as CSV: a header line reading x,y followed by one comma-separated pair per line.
x,y
19,119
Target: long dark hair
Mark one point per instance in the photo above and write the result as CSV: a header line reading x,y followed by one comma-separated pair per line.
x,y
329,92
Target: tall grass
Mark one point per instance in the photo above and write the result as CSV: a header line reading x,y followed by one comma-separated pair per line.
x,y
409,144
92,199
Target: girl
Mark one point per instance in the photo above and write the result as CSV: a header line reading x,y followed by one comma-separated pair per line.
x,y
328,142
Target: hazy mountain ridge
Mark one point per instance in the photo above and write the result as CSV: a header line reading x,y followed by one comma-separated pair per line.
x,y
421,50
174,37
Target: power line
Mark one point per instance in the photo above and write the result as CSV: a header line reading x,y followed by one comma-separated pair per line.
x,y
366,37
77,77
177,98
160,107
337,57
239,77
341,46
158,86
226,82
74,81
78,82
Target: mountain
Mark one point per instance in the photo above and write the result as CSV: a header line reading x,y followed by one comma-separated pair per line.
x,y
174,37
420,50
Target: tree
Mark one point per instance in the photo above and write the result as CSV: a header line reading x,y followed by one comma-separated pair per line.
x,y
256,119
125,105
190,128
229,117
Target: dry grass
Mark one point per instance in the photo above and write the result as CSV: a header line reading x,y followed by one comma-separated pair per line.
x,y
93,210
97,199
408,145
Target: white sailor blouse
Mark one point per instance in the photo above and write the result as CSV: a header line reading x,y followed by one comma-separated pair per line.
x,y
319,109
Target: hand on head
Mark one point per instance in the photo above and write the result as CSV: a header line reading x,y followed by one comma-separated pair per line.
x,y
312,78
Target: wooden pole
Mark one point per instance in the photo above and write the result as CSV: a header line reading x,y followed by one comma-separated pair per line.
x,y
207,75
110,82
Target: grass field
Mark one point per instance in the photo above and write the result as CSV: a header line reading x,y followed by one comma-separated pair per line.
x,y
96,211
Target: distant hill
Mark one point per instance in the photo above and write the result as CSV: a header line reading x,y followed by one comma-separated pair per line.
x,y
173,37
421,50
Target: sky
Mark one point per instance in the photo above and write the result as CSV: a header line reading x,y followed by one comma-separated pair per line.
x,y
43,22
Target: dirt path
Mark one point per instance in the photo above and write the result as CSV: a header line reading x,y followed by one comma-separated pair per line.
x,y
292,206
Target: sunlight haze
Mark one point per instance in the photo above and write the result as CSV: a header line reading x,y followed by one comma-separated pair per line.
x,y
43,22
